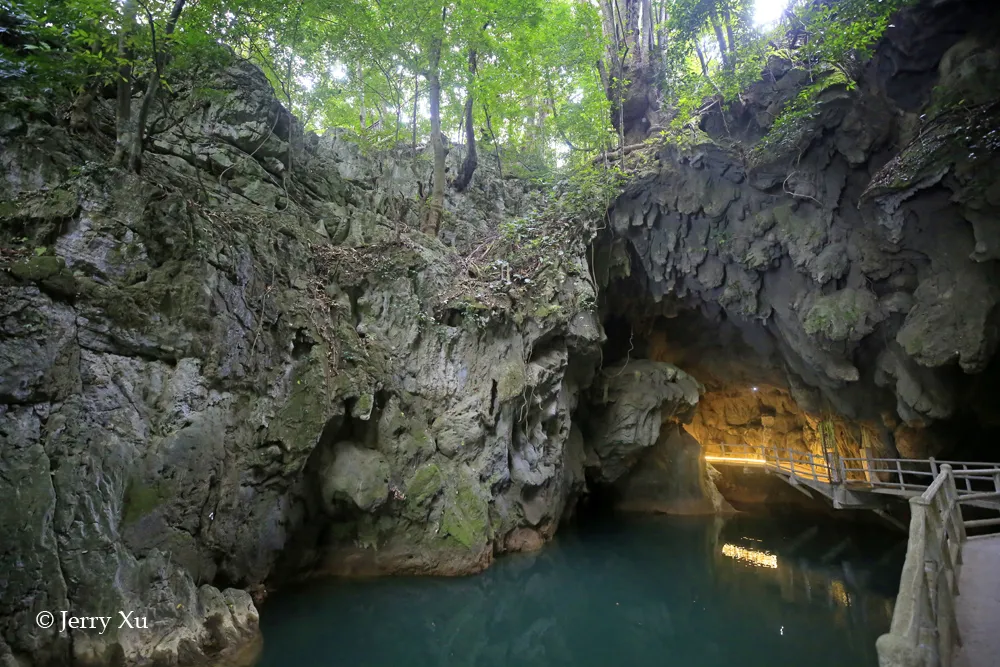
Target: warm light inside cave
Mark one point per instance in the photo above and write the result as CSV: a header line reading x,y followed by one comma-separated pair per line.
x,y
752,556
734,459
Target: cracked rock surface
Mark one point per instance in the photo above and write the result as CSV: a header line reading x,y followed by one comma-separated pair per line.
x,y
861,240
223,372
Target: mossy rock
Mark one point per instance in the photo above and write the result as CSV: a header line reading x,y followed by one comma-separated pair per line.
x,y
48,271
38,268
301,420
421,489
466,512
50,205
357,475
141,500
545,310
363,407
512,380
847,314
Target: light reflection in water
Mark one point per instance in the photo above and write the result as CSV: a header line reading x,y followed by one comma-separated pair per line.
x,y
705,592
752,556
839,594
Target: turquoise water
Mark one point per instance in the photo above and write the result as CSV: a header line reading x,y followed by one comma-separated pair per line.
x,y
631,592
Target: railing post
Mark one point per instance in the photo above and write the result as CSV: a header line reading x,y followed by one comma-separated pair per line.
x,y
934,469
812,466
830,452
869,468
899,471
895,651
954,514
834,467
968,480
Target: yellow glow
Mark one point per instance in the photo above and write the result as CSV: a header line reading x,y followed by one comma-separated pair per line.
x,y
839,594
734,459
752,556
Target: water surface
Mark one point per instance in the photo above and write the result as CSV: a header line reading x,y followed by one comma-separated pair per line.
x,y
745,592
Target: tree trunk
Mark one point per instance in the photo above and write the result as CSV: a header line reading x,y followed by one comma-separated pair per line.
x,y
646,34
701,58
363,117
608,24
729,32
436,204
123,109
159,60
79,114
661,35
416,97
471,157
630,78
493,136
723,51
399,104
632,38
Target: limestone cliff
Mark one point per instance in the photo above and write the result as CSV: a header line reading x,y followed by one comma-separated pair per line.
x,y
247,365
840,266
246,354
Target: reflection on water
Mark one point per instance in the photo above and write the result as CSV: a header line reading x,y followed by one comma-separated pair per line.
x,y
632,591
752,556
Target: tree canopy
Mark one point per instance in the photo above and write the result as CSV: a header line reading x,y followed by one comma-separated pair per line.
x,y
532,84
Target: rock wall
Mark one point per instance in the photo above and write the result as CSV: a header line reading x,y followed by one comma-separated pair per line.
x,y
851,252
672,477
245,366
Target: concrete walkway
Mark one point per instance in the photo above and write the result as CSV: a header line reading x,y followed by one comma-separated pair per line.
x,y
978,603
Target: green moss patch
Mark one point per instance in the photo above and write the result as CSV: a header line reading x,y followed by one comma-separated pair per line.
x,y
51,205
466,514
47,270
847,314
141,500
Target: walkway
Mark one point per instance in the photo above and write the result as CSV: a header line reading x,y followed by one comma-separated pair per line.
x,y
947,613
978,605
861,482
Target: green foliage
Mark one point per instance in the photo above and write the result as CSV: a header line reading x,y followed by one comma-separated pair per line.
x,y
708,68
588,191
843,34
542,88
797,113
53,49
359,63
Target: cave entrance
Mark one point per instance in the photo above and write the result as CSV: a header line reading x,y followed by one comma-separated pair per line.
x,y
749,394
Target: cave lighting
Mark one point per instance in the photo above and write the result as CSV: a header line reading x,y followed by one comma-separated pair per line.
x,y
839,594
752,556
734,459
753,388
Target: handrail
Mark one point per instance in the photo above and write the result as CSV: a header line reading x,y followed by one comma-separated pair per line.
x,y
896,475
924,625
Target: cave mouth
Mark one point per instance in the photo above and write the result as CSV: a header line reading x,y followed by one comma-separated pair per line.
x,y
751,395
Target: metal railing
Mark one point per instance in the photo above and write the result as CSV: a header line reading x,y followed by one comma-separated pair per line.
x,y
795,462
924,626
907,477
